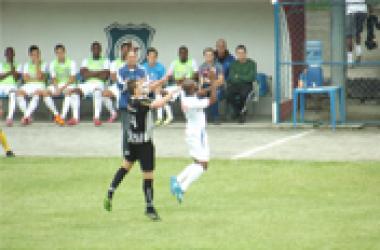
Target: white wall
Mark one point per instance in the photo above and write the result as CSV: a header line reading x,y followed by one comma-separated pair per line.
x,y
197,25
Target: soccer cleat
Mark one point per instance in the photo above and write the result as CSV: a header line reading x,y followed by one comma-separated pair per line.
x,y
72,122
152,214
173,184
26,121
107,204
158,122
10,154
9,122
168,121
112,118
58,120
178,194
97,122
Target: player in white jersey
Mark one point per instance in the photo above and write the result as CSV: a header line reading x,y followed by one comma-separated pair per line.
x,y
196,137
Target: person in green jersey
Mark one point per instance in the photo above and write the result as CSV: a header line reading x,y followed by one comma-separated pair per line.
x,y
63,81
95,72
179,70
10,72
34,77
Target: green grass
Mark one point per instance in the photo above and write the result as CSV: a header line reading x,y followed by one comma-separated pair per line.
x,y
56,203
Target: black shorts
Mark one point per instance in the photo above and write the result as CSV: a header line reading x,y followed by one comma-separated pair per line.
x,y
142,152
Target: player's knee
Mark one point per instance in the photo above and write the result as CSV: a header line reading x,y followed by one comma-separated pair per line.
x,y
148,175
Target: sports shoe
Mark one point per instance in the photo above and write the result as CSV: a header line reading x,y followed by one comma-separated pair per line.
x,y
152,214
173,184
178,194
10,154
97,122
107,204
167,121
158,123
9,122
58,119
72,122
112,118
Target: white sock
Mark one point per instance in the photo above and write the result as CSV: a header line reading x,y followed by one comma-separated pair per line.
x,y
108,104
194,173
65,106
168,111
358,50
32,105
21,104
75,105
12,105
97,103
350,57
159,110
184,174
50,104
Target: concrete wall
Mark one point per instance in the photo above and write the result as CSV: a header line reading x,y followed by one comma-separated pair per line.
x,y
197,25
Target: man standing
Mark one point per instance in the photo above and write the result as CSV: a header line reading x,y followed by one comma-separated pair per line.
x,y
95,71
196,136
140,145
63,75
10,72
211,65
239,84
356,14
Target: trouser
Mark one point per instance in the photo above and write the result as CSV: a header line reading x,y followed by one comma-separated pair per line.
x,y
237,95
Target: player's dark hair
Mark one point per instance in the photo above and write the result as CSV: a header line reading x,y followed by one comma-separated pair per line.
x,y
187,84
33,48
9,48
125,44
152,50
59,46
183,47
241,47
96,43
208,49
131,86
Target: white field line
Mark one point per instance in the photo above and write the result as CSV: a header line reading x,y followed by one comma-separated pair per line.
x,y
264,147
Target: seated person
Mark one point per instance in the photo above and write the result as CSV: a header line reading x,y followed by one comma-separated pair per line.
x,y
10,72
210,64
34,76
155,73
242,74
63,76
113,91
95,71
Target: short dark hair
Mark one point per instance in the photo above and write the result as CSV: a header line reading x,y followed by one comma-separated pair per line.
x,y
131,86
183,47
125,44
208,49
241,46
95,43
59,46
152,49
33,48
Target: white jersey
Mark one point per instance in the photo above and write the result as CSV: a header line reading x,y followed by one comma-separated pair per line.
x,y
194,111
356,6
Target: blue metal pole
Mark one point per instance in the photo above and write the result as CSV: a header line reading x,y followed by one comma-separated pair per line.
x,y
277,47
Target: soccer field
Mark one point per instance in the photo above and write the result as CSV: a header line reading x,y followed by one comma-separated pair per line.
x,y
56,203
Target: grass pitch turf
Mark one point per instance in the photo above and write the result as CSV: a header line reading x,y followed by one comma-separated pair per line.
x,y
56,203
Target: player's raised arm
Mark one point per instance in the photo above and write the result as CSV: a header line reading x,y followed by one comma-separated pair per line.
x,y
159,103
